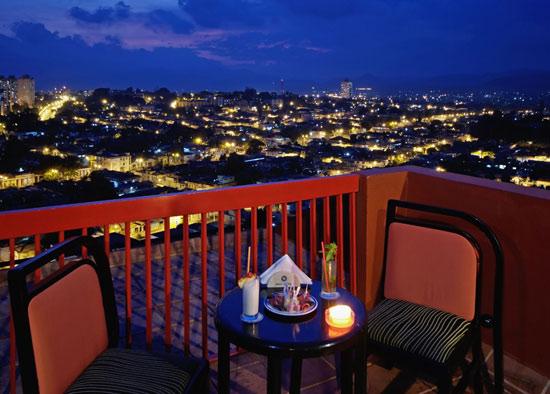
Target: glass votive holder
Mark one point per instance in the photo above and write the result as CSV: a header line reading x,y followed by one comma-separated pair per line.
x,y
340,316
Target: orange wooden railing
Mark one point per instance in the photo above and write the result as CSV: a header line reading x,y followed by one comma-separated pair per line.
x,y
301,193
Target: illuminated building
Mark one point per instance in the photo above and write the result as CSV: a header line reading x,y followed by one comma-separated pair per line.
x,y
346,89
120,163
363,92
25,91
7,94
13,91
18,180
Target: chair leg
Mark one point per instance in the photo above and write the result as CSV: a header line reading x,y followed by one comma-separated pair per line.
x,y
478,382
498,362
445,385
480,366
468,371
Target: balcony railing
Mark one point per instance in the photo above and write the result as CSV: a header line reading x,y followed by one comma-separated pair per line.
x,y
328,204
174,255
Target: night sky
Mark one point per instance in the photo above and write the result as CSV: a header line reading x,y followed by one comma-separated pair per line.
x,y
230,44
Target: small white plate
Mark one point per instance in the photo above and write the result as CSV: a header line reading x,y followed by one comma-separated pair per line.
x,y
276,311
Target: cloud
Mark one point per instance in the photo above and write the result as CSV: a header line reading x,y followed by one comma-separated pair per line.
x,y
223,13
225,60
259,13
101,15
31,32
317,49
43,54
157,20
162,19
274,44
328,9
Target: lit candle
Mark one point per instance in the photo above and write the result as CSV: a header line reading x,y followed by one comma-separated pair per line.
x,y
340,316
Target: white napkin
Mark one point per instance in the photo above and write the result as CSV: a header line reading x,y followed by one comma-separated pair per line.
x,y
286,264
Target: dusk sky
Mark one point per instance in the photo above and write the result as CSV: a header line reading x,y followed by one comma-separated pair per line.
x,y
230,44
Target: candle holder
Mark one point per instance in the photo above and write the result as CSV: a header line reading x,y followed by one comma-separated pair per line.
x,y
340,316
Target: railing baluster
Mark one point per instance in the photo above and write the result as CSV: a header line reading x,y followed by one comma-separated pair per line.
x,y
61,259
84,249
340,240
284,227
37,249
299,233
269,233
148,286
313,237
167,285
128,282
238,249
204,281
13,366
352,243
107,239
254,236
326,220
186,285
221,250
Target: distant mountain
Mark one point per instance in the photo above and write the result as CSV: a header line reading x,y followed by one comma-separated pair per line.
x,y
525,80
532,81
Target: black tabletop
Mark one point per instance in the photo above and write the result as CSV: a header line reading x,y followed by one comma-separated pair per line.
x,y
309,336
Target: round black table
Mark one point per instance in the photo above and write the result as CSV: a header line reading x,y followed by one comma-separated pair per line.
x,y
279,338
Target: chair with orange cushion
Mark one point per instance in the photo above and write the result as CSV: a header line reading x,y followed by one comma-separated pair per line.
x,y
430,316
67,332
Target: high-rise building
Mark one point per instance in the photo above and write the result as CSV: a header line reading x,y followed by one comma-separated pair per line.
x,y
346,89
8,90
20,91
25,91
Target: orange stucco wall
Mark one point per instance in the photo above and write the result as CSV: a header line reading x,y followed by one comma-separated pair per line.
x,y
519,216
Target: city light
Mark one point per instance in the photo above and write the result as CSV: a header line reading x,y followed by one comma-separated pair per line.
x,y
328,135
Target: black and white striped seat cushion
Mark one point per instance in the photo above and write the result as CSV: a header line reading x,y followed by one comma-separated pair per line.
x,y
416,329
131,371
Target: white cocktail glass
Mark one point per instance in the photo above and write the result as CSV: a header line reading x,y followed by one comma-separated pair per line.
x,y
251,297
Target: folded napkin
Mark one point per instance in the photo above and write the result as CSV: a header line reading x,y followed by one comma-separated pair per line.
x,y
285,265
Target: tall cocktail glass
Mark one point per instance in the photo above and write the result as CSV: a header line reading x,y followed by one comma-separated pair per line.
x,y
328,277
251,299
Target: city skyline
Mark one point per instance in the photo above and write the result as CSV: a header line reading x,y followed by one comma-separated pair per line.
x,y
231,44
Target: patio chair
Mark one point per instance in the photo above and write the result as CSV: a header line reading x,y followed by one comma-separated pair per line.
x,y
67,332
430,316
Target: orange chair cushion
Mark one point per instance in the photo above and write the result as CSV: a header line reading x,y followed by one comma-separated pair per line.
x,y
431,267
68,329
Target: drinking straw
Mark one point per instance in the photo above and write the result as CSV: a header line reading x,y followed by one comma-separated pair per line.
x,y
248,261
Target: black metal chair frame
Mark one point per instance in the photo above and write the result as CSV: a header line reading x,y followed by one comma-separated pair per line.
x,y
475,371
21,295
